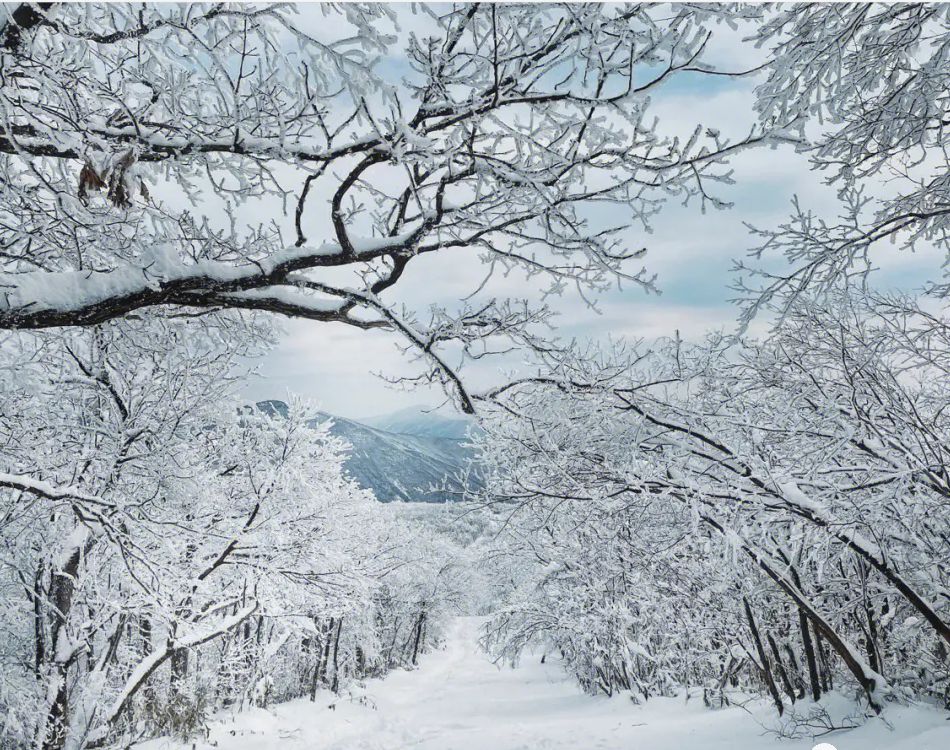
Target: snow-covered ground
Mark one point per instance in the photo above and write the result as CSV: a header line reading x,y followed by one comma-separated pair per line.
x,y
458,700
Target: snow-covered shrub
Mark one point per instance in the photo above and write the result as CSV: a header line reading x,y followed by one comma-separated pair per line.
x,y
757,514
169,553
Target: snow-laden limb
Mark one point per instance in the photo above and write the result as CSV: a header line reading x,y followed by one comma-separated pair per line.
x,y
487,156
156,146
41,299
200,634
873,75
48,490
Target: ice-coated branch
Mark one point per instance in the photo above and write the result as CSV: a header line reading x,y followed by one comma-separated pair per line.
x,y
496,158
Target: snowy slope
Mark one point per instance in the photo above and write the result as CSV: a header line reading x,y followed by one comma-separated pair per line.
x,y
458,700
417,421
400,467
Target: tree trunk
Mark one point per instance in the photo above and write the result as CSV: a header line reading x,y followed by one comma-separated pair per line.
x,y
810,659
328,642
780,668
764,667
145,641
415,649
801,690
39,623
316,646
824,669
336,656
62,586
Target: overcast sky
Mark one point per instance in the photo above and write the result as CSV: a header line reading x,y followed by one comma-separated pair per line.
x,y
334,365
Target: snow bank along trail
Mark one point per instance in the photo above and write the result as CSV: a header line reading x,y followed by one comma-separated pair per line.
x,y
458,700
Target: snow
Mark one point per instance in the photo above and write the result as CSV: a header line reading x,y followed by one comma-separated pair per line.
x,y
148,664
69,291
29,484
459,700
291,297
793,493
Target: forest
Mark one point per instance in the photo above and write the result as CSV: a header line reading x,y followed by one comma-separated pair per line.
x,y
755,517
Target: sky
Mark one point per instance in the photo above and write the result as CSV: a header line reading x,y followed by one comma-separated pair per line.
x,y
338,368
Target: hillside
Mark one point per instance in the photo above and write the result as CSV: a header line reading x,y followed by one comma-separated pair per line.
x,y
420,459
417,421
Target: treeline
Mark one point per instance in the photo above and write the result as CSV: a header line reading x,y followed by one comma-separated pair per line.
x,y
167,554
769,515
758,515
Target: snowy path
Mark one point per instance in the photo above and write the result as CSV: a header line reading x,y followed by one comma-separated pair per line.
x,y
458,700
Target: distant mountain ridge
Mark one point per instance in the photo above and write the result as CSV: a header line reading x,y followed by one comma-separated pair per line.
x,y
422,423
409,456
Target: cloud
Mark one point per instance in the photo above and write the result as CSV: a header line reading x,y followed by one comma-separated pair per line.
x,y
692,253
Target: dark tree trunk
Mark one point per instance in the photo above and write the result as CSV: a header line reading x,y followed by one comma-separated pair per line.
x,y
145,648
810,659
415,648
327,644
62,586
780,668
873,651
39,622
764,667
360,661
796,668
824,669
336,656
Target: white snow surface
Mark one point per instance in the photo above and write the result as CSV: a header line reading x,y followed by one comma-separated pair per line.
x,y
458,700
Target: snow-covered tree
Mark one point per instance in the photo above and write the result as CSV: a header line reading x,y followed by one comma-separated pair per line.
x,y
767,514
867,84
494,141
791,492
166,552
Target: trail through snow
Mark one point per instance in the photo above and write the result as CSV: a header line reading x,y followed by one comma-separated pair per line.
x,y
458,700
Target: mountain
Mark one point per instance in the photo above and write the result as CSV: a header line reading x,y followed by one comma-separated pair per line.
x,y
401,466
417,421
